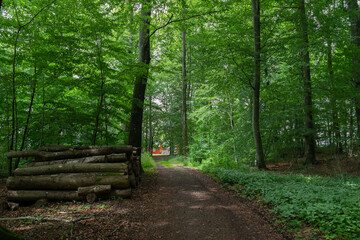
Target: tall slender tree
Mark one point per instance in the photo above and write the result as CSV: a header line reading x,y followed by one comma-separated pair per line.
x,y
184,95
309,134
135,129
353,8
260,160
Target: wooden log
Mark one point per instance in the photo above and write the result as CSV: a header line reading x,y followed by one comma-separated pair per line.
x,y
91,197
61,148
32,196
69,181
117,157
121,157
123,193
72,168
41,156
97,189
55,148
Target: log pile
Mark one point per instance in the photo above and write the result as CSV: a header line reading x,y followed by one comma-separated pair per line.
x,y
75,173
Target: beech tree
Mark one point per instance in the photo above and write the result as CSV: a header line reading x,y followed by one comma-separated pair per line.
x,y
305,68
260,161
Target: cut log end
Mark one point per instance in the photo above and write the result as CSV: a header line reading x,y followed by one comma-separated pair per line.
x,y
97,189
91,197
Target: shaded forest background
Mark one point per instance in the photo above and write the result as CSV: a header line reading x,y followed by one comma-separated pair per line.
x,y
68,70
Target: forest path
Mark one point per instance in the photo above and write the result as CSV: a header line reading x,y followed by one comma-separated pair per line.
x,y
190,205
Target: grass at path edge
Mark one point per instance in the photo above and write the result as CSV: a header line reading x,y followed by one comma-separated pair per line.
x,y
331,206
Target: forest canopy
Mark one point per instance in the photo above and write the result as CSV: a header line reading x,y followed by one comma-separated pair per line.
x,y
235,82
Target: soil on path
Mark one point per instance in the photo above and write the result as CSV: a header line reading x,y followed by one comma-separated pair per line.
x,y
180,203
190,205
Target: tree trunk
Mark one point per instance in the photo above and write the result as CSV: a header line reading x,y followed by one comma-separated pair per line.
x,y
67,181
260,161
333,102
305,64
232,125
136,117
42,111
14,117
353,8
101,99
27,119
150,142
13,98
72,168
351,130
184,95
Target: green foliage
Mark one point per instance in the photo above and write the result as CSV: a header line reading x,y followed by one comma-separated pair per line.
x,y
71,61
147,162
166,164
330,205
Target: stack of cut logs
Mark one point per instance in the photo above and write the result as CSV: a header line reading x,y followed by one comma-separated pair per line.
x,y
75,173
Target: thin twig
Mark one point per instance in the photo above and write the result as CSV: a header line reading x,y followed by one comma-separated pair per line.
x,y
115,230
48,219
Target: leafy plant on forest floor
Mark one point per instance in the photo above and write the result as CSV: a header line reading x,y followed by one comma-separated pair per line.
x,y
148,164
166,164
330,205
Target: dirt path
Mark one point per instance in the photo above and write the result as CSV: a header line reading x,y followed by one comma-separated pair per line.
x,y
180,203
189,205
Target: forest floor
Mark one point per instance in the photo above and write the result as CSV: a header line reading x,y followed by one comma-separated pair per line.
x,y
174,203
329,165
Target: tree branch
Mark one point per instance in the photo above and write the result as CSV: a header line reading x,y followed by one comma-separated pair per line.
x,y
33,18
167,23
183,19
242,70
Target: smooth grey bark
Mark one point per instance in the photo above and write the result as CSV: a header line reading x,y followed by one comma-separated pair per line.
x,y
184,95
309,134
260,160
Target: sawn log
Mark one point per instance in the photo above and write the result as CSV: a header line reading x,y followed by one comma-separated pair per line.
x,y
32,196
41,156
112,158
70,181
72,168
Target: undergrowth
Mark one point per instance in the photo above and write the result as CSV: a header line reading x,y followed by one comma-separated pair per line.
x,y
331,205
166,164
148,164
